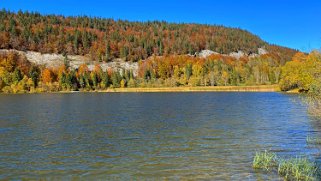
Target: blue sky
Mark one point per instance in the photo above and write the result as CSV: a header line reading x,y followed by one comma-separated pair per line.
x,y
292,23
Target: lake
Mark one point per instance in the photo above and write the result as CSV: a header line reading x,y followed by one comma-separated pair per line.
x,y
149,136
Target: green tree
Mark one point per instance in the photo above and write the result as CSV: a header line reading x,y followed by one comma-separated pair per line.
x,y
188,71
16,76
34,75
107,52
105,80
116,78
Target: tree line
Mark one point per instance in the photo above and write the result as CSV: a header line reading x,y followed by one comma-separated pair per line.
x,y
215,70
17,74
303,72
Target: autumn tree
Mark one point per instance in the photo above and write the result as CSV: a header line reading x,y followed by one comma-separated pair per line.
x,y
301,74
47,76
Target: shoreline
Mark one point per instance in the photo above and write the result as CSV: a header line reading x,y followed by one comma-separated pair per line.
x,y
259,88
262,88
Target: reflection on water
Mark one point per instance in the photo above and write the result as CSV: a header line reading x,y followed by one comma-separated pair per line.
x,y
148,135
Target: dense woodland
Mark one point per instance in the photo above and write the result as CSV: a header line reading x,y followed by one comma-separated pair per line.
x,y
165,53
106,39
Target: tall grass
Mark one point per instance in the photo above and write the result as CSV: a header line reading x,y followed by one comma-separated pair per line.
x,y
297,169
265,160
291,169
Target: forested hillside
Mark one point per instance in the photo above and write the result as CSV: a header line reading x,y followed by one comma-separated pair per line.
x,y
166,54
106,39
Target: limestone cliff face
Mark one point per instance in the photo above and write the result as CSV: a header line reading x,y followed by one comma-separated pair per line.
x,y
56,60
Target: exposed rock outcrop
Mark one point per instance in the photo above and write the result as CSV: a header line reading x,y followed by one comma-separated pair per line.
x,y
237,55
56,60
206,53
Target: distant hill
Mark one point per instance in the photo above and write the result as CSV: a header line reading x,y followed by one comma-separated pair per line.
x,y
107,39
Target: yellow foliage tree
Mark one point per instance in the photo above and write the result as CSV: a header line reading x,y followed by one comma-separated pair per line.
x,y
123,83
225,77
301,74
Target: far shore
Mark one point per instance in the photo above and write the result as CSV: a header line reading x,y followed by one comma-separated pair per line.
x,y
258,88
261,88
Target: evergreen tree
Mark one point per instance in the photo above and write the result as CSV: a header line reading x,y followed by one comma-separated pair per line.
x,y
107,52
116,78
34,75
105,79
17,76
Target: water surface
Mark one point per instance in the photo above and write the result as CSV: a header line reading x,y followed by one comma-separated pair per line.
x,y
149,136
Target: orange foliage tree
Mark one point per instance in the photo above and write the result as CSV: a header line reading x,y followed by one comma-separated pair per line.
x,y
47,76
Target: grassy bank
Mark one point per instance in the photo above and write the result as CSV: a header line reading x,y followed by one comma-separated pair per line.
x,y
261,88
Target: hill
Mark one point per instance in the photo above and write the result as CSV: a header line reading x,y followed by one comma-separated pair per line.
x,y
107,39
44,53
